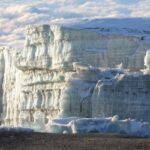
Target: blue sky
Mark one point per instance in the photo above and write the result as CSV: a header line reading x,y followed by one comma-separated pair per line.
x,y
16,14
128,1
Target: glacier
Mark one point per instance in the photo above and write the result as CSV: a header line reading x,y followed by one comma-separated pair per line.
x,y
79,71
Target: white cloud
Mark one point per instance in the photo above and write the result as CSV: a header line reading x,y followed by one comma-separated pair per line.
x,y
15,15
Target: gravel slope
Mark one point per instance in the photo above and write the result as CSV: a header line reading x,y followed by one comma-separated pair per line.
x,y
46,141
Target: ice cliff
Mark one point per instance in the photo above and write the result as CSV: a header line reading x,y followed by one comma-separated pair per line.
x,y
80,72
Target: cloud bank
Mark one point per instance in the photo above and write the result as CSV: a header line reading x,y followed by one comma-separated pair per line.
x,y
16,14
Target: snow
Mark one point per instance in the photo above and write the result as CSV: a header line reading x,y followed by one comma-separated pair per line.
x,y
99,125
128,26
77,125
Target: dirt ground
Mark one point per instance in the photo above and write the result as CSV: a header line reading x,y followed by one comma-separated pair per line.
x,y
47,141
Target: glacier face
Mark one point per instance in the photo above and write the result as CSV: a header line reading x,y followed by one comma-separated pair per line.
x,y
65,72
126,95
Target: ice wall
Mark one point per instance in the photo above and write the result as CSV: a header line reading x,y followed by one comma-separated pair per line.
x,y
64,72
126,95
55,47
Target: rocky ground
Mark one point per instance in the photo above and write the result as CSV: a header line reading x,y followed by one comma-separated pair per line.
x,y
46,141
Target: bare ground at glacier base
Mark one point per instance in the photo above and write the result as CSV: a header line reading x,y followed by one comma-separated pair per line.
x,y
47,141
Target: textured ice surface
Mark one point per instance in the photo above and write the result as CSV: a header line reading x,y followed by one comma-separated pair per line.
x,y
93,69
